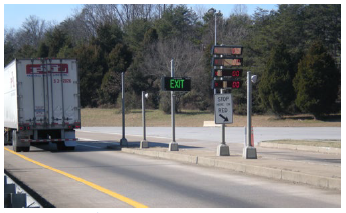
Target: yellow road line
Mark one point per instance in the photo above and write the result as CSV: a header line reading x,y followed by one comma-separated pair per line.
x,y
92,185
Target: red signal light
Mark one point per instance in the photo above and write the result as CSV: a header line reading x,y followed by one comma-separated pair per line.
x,y
228,73
223,84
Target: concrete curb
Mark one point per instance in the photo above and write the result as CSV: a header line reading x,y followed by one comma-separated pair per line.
x,y
273,173
326,150
210,124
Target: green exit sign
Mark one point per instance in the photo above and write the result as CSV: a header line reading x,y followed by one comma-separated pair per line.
x,y
176,84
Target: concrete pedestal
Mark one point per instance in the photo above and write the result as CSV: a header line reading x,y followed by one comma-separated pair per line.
x,y
222,150
123,142
144,144
249,153
173,146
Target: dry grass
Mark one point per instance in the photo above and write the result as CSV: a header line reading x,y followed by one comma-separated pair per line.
x,y
191,118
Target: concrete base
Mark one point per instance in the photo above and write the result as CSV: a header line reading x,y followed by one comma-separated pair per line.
x,y
173,146
123,142
144,144
222,150
249,153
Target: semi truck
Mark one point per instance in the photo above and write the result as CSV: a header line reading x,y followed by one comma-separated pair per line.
x,y
41,103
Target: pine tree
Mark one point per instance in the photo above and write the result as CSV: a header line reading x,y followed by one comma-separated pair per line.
x,y
275,89
316,82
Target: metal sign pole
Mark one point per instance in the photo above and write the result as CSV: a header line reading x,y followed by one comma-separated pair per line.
x,y
249,108
173,146
143,143
173,104
123,141
223,142
249,152
223,149
143,115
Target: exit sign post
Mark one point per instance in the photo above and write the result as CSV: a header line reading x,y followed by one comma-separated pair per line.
x,y
176,84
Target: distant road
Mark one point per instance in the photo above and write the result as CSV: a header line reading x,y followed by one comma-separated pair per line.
x,y
233,134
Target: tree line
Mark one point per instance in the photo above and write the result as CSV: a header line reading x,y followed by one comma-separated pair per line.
x,y
295,51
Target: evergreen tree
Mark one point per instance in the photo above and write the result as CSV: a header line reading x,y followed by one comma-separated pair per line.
x,y
43,50
8,52
56,40
26,51
316,82
90,73
275,89
119,59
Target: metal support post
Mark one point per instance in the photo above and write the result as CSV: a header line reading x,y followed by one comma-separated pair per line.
x,y
249,108
123,141
144,142
249,152
173,115
215,25
215,37
173,146
223,149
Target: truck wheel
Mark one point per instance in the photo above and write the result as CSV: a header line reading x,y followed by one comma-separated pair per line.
x,y
26,149
7,138
16,148
17,145
70,148
61,147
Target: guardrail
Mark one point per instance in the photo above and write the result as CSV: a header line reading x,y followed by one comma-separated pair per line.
x,y
16,197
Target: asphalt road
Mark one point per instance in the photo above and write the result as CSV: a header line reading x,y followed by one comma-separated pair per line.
x,y
209,138
233,134
151,182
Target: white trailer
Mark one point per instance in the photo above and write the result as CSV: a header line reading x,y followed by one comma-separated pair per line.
x,y
41,103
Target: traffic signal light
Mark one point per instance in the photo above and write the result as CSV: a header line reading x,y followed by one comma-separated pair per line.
x,y
235,73
227,66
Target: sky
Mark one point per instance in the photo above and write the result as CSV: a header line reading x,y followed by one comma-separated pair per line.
x,y
15,14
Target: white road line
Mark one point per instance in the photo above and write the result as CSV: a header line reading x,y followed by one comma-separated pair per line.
x,y
126,134
87,139
89,146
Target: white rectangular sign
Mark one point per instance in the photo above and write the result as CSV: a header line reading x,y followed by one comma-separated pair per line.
x,y
223,108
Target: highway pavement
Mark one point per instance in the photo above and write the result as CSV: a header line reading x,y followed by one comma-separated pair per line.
x,y
233,134
98,175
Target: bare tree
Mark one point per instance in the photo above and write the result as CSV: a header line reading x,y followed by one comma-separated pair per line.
x,y
33,30
188,57
200,11
240,9
93,16
236,30
130,12
188,62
